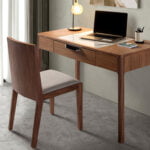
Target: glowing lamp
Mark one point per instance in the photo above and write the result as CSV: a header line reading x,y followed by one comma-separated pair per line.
x,y
76,9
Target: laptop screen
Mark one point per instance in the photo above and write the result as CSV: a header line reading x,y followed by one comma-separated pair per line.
x,y
114,23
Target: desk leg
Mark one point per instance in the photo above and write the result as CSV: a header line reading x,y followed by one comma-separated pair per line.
x,y
121,117
77,69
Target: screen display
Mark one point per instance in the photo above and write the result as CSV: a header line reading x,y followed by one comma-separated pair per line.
x,y
110,23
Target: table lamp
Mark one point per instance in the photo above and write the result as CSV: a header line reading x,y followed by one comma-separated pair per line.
x,y
76,9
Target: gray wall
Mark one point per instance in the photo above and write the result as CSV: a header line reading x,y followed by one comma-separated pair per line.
x,y
100,81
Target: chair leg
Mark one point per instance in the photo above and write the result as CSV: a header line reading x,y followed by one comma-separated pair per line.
x,y
37,119
80,106
12,109
52,106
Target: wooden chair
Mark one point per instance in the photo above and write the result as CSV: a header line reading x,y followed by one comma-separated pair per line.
x,y
28,81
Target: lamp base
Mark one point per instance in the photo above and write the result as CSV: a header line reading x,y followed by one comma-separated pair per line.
x,y
74,29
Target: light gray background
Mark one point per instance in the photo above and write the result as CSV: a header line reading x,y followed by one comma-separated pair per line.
x,y
100,81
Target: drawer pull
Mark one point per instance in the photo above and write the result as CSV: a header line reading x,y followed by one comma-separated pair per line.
x,y
73,48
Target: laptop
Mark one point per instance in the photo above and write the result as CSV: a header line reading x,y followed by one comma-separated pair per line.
x,y
108,27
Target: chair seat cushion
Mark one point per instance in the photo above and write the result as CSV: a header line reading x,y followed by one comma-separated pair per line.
x,y
52,80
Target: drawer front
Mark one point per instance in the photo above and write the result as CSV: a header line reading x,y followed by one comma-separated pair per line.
x,y
60,48
45,43
86,56
107,61
80,54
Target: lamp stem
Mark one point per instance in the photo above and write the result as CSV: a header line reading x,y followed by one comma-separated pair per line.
x,y
73,21
73,15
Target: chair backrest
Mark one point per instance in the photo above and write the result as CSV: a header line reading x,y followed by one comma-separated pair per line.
x,y
24,66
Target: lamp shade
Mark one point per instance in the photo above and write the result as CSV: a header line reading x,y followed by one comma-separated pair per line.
x,y
77,9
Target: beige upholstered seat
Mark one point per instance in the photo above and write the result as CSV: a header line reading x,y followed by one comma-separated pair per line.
x,y
53,80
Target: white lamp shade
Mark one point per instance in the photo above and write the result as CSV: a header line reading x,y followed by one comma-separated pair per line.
x,y
77,9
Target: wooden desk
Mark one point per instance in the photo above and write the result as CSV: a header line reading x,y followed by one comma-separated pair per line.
x,y
114,58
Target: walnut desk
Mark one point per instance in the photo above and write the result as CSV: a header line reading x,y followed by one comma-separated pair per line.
x,y
115,58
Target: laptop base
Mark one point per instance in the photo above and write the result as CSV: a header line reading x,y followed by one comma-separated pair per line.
x,y
102,38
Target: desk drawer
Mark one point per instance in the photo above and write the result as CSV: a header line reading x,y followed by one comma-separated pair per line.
x,y
80,54
60,48
107,61
46,43
86,56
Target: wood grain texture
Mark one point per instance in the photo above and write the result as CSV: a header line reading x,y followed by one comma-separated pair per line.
x,y
83,55
12,109
37,120
77,70
25,73
121,109
60,48
114,57
59,92
24,68
86,56
52,103
79,96
114,50
80,106
137,60
123,51
107,61
45,43
61,32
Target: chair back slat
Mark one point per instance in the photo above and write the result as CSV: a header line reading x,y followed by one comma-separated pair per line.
x,y
24,66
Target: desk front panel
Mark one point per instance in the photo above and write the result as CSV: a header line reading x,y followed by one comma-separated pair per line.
x,y
137,60
83,55
60,48
45,43
107,61
101,59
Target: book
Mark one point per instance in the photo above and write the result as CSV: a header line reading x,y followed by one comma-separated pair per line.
x,y
128,45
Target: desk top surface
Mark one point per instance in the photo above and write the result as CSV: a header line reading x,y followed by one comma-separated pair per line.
x,y
113,49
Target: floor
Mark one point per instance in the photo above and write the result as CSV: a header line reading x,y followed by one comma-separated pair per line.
x,y
59,132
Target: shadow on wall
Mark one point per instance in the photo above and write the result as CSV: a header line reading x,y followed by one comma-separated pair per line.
x,y
132,25
137,90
